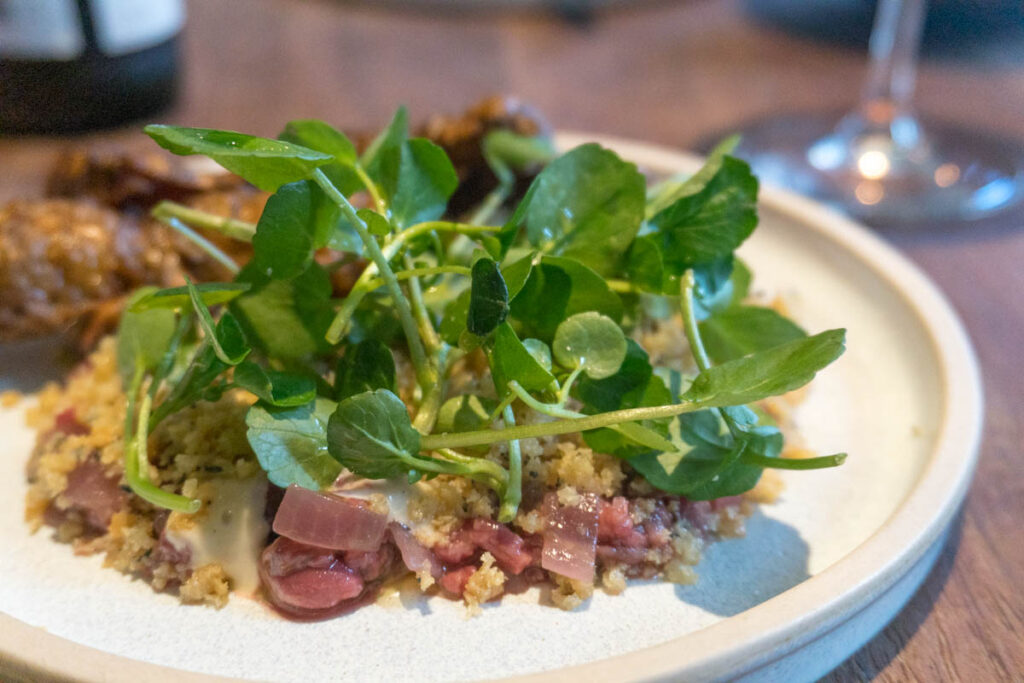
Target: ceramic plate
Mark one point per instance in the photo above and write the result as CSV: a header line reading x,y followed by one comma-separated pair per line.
x,y
817,575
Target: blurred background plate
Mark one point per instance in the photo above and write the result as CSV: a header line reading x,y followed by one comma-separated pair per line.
x,y
819,573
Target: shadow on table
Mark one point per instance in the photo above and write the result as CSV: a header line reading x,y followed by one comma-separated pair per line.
x,y
874,657
730,582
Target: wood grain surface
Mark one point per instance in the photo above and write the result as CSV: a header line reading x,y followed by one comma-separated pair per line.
x,y
673,73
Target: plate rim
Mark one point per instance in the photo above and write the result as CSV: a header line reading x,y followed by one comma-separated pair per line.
x,y
772,629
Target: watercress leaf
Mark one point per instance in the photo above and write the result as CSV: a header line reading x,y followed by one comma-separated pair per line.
x,y
380,154
286,319
499,244
143,336
510,360
176,298
741,279
588,205
267,164
488,298
465,413
371,434
365,366
516,273
540,352
667,193
517,151
425,180
193,385
322,137
375,318
375,223
633,386
226,337
453,323
282,389
766,373
645,266
742,330
591,341
710,224
285,234
291,443
712,287
556,289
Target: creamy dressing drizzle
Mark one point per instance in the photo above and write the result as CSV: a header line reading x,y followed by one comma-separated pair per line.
x,y
231,531
395,492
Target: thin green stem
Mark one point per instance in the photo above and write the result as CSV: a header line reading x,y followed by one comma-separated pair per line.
x,y
824,461
206,245
376,283
371,189
623,286
431,341
514,488
137,463
568,426
425,373
563,392
232,227
690,322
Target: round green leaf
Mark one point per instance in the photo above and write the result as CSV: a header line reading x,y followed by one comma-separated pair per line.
x,y
591,341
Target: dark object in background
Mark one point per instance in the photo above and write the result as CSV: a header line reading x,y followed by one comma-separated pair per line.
x,y
73,65
990,31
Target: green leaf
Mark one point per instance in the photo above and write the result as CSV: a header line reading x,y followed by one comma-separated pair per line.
x,y
286,319
743,330
365,366
510,360
488,298
710,224
322,137
143,336
291,443
176,298
588,205
540,351
375,223
516,273
285,234
674,189
465,413
556,289
708,464
453,322
371,434
766,373
421,183
633,386
712,287
645,265
591,341
226,336
517,151
267,164
379,154
282,389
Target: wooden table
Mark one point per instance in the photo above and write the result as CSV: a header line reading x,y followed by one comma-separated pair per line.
x,y
670,73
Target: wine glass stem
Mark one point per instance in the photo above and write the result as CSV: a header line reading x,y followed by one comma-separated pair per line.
x,y
894,44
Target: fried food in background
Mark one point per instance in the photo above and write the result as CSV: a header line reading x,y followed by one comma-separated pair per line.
x,y
67,261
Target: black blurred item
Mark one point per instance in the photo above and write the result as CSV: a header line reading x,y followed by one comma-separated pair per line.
x,y
989,30
105,84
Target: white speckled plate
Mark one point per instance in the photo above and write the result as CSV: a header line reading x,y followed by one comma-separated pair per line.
x,y
818,574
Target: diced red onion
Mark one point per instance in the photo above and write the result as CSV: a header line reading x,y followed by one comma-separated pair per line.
x,y
414,555
570,537
97,495
328,521
68,423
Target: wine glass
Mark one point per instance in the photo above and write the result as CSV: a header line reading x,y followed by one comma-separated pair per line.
x,y
879,162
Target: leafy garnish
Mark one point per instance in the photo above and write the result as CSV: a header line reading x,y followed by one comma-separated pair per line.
x,y
551,298
291,443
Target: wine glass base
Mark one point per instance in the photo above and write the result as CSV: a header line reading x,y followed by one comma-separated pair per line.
x,y
944,173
